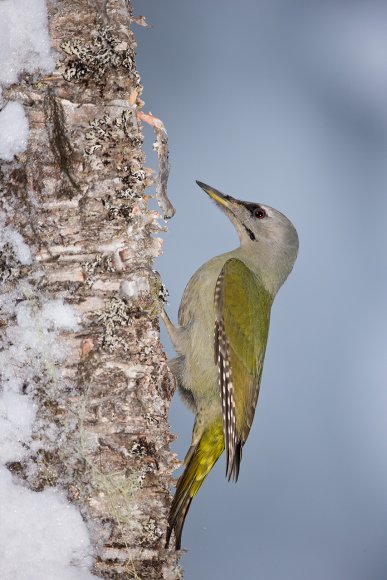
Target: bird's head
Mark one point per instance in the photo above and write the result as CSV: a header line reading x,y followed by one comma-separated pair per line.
x,y
256,222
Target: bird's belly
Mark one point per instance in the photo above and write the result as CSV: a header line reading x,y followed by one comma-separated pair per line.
x,y
200,371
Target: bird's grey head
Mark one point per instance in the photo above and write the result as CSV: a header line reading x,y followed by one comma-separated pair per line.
x,y
260,227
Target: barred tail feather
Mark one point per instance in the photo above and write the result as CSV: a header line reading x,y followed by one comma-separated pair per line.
x,y
199,462
236,462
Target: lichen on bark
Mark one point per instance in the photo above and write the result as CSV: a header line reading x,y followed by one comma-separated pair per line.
x,y
77,197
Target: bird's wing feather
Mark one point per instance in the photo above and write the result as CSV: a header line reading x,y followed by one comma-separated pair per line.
x,y
242,312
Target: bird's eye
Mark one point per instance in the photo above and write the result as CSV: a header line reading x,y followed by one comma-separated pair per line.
x,y
260,213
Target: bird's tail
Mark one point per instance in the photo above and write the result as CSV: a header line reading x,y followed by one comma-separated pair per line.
x,y
199,461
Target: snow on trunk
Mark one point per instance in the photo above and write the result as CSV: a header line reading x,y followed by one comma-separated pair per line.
x,y
84,385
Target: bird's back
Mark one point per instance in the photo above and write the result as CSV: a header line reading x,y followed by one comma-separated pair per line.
x,y
197,315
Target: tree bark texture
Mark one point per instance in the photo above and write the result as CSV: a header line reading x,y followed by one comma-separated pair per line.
x,y
77,195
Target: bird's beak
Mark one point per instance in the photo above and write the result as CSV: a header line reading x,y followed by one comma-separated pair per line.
x,y
217,195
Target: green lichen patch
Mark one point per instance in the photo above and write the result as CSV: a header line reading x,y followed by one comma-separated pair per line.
x,y
116,492
115,316
9,267
151,533
113,142
94,59
100,265
111,130
117,209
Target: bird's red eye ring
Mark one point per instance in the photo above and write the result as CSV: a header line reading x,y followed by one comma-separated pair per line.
x,y
260,213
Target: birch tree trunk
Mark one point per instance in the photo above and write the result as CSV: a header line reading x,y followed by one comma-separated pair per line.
x,y
77,196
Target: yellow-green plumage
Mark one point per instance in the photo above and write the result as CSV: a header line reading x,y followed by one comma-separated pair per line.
x,y
199,462
243,306
221,340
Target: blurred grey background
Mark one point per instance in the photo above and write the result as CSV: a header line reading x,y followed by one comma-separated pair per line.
x,y
285,102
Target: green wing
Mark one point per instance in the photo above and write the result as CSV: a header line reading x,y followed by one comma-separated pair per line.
x,y
242,311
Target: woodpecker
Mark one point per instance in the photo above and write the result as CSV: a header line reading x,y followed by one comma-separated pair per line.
x,y
221,340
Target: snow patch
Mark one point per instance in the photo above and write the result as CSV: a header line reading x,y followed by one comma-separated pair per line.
x,y
59,315
24,47
41,535
133,288
17,415
13,130
24,40
29,349
10,236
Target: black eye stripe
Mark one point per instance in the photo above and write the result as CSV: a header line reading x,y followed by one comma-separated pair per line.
x,y
252,207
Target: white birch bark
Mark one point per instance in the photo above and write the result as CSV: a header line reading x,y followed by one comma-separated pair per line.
x,y
77,196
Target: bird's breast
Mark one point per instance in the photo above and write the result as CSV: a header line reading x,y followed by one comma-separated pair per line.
x,y
197,315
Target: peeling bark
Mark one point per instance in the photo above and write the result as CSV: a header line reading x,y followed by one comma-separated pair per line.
x,y
77,197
